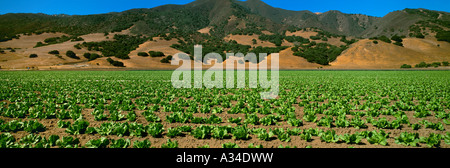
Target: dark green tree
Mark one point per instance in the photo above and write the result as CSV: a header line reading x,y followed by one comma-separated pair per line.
x,y
443,36
385,39
54,52
445,63
396,38
142,54
156,54
406,66
72,54
115,63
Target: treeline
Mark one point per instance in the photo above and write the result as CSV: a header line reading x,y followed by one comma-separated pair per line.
x,y
152,54
71,54
91,56
397,39
276,39
115,63
166,59
320,53
434,64
426,65
56,40
222,47
7,37
348,42
120,47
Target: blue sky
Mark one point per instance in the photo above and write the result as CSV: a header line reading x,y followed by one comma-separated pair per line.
x,y
82,7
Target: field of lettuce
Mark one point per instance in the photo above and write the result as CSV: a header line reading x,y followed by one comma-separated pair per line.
x,y
141,109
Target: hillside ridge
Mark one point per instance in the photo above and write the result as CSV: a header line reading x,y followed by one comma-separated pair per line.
x,y
330,39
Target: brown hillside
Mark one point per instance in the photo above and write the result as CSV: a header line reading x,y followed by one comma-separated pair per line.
x,y
301,33
20,58
28,41
434,49
24,46
361,55
205,30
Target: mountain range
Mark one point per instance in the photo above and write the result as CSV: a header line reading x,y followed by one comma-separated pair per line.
x,y
217,22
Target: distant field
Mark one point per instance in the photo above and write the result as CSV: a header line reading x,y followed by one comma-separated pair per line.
x,y
141,109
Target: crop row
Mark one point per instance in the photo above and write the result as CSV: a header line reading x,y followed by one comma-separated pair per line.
x,y
141,104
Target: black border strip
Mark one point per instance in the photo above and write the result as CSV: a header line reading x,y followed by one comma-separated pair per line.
x,y
167,157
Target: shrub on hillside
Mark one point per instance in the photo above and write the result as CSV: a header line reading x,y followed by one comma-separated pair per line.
x,y
385,39
71,54
445,63
406,66
436,64
276,39
167,59
322,53
54,52
91,56
94,56
422,65
142,54
33,55
39,44
156,54
87,55
398,43
397,38
77,46
115,63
